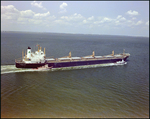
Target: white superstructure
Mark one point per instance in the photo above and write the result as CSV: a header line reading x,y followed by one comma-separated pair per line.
x,y
37,57
29,53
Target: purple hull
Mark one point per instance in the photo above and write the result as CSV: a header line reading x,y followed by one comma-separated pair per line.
x,y
30,65
82,63
69,63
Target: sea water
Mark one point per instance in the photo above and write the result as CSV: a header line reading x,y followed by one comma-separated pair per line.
x,y
98,91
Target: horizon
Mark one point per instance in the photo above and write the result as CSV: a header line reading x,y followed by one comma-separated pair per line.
x,y
123,18
75,33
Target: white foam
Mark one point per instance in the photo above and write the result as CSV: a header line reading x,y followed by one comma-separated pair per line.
x,y
85,66
12,69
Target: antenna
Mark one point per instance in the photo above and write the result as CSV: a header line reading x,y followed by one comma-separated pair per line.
x,y
22,54
123,51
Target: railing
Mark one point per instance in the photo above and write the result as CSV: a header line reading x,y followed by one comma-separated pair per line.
x,y
91,59
18,61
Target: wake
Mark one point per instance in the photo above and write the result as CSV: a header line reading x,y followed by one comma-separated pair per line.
x,y
12,68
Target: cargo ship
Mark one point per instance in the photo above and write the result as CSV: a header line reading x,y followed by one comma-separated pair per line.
x,y
38,59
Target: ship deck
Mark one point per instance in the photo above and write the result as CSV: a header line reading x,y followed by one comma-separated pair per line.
x,y
57,60
107,57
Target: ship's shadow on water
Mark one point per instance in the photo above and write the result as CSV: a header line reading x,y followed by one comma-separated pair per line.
x,y
117,91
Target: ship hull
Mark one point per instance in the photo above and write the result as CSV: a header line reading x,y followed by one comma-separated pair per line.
x,y
82,63
29,65
69,63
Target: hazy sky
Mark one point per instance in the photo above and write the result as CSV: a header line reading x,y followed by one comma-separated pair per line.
x,y
85,17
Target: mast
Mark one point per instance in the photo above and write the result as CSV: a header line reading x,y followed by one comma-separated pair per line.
x,y
113,53
93,54
70,54
38,48
44,51
123,51
22,54
25,56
